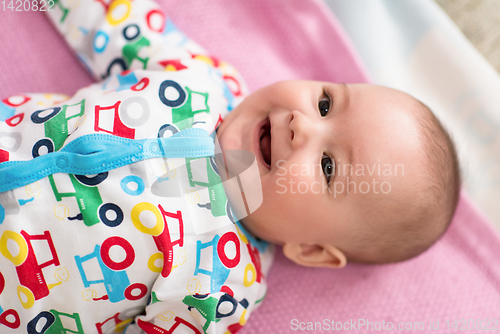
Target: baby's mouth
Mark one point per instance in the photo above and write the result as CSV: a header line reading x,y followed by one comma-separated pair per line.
x,y
265,142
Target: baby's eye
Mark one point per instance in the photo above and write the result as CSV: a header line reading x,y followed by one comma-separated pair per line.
x,y
324,106
328,167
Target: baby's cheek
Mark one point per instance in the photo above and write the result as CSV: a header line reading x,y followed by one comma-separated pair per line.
x,y
299,185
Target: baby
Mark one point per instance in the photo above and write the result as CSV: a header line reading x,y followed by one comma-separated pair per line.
x,y
356,173
313,135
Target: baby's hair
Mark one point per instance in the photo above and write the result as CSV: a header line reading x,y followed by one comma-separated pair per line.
x,y
413,229
444,164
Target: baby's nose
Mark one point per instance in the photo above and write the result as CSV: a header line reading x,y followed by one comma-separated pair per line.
x,y
301,129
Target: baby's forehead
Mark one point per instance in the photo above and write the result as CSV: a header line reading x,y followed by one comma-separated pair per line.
x,y
386,93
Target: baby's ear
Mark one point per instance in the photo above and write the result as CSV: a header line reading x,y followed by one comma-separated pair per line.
x,y
315,255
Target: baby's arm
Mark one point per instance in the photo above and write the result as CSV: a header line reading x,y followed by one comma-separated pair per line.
x,y
123,34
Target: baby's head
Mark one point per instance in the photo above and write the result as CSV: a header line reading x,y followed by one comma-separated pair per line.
x,y
359,173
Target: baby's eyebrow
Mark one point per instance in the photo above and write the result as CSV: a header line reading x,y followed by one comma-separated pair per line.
x,y
346,95
350,157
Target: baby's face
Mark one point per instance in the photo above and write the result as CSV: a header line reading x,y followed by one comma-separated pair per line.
x,y
308,137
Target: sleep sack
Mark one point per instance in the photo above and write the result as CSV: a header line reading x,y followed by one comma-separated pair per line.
x,y
113,214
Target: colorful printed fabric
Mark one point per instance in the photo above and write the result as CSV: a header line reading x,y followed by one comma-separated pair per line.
x,y
113,217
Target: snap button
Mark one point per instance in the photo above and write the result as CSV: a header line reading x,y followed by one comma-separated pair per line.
x,y
154,148
62,162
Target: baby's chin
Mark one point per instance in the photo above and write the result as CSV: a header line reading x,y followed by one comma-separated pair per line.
x,y
228,139
239,172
